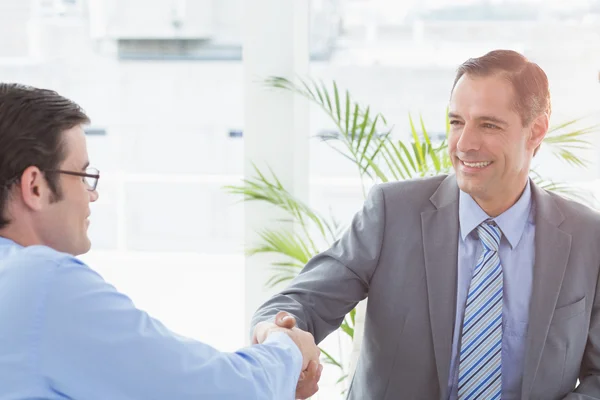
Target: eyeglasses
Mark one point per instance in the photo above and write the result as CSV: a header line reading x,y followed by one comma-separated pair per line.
x,y
90,176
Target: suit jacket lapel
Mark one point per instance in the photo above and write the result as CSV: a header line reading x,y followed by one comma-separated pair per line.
x,y
552,246
440,245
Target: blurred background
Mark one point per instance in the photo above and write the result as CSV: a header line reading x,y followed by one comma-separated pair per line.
x,y
163,82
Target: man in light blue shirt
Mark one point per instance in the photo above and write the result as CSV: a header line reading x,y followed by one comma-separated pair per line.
x,y
65,333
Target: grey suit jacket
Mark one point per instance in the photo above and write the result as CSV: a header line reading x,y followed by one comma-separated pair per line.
x,y
401,251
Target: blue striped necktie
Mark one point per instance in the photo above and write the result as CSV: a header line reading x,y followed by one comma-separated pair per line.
x,y
480,363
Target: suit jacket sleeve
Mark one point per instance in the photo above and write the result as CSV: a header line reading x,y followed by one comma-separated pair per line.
x,y
333,282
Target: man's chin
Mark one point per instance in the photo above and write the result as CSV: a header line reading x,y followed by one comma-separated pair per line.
x,y
83,249
470,185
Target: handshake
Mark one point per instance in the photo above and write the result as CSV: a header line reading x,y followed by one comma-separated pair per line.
x,y
308,383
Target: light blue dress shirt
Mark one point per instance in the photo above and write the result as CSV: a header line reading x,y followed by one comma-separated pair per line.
x,y
67,334
517,253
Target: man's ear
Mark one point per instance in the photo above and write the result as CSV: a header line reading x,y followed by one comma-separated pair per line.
x,y
34,188
538,131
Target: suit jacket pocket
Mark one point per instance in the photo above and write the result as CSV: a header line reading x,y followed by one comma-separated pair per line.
x,y
565,344
567,312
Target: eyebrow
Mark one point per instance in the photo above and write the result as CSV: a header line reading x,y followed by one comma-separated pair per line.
x,y
482,118
87,164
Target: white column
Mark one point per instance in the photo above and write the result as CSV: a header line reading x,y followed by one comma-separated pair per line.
x,y
275,40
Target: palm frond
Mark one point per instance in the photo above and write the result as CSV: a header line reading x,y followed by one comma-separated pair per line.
x,y
295,251
270,190
563,143
562,188
328,359
341,379
430,150
347,325
361,138
286,243
359,128
283,272
416,145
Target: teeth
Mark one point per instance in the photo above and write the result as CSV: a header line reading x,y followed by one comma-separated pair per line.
x,y
477,164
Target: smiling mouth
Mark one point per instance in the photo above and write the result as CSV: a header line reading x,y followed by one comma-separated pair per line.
x,y
476,164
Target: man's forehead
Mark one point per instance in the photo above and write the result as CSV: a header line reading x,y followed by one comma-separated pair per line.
x,y
482,98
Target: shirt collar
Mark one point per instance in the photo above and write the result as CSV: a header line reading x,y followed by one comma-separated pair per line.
x,y
7,242
511,222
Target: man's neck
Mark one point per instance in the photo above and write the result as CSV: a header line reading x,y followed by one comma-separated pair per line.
x,y
23,237
495,206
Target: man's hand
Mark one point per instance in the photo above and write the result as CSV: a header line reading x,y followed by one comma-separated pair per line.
x,y
308,384
286,323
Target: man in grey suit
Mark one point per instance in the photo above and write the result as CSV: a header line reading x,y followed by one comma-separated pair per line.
x,y
481,284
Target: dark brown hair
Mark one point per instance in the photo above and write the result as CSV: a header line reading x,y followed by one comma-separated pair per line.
x,y
529,81
32,121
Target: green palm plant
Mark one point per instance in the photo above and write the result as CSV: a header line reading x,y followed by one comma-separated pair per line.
x,y
364,138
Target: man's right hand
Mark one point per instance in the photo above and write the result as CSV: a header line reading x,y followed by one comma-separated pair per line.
x,y
286,323
308,384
